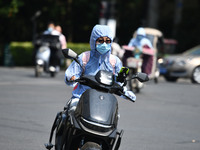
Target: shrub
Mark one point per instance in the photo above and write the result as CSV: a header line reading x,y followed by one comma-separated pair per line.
x,y
22,52
79,47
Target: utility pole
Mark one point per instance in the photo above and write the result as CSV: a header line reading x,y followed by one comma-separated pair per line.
x,y
34,20
69,22
178,15
107,15
153,13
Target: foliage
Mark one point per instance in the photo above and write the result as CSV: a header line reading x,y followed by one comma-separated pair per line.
x,y
10,8
77,18
129,17
79,47
189,29
22,52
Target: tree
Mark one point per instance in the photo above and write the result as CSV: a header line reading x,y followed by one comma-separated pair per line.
x,y
77,17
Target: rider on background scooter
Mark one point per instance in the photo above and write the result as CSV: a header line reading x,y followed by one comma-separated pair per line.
x,y
134,57
137,41
99,58
141,42
55,56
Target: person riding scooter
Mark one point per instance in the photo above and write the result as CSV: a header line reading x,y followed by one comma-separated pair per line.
x,y
48,52
55,54
136,57
47,56
140,34
135,45
99,58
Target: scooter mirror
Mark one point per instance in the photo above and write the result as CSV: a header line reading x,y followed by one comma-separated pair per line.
x,y
142,77
68,53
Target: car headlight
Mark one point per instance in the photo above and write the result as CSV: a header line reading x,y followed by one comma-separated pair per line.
x,y
167,62
160,61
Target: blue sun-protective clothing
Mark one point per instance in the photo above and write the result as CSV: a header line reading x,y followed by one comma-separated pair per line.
x,y
140,35
97,61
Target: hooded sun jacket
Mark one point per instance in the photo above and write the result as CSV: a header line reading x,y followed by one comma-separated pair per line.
x,y
141,36
96,62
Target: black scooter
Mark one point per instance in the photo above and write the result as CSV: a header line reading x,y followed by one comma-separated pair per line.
x,y
93,124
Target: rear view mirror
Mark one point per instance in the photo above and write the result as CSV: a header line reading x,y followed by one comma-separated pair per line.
x,y
142,77
68,53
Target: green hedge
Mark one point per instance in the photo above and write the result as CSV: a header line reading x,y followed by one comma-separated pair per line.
x,y
22,52
79,47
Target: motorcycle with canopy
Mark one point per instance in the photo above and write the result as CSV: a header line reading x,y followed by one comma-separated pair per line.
x,y
144,58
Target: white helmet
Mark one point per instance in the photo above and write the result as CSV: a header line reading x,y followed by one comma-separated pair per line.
x,y
141,31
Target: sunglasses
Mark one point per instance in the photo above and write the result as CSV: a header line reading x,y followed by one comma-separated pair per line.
x,y
101,41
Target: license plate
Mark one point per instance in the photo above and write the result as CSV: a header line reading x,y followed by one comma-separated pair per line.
x,y
163,70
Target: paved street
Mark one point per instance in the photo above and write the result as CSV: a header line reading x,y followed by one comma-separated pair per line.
x,y
166,116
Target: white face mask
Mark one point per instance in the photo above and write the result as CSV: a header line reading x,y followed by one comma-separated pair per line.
x,y
50,29
103,48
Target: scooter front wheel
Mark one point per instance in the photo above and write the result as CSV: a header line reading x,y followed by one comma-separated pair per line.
x,y
52,74
38,71
91,146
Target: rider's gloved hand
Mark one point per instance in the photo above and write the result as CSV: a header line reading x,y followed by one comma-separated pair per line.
x,y
123,73
131,95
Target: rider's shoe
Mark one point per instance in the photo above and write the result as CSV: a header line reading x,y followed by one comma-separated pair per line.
x,y
48,146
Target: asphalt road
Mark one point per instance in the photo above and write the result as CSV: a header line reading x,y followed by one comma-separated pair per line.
x,y
166,116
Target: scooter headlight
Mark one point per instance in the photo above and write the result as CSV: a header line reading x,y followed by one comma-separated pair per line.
x,y
52,69
40,62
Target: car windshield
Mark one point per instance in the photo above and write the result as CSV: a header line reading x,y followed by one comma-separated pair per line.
x,y
193,51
